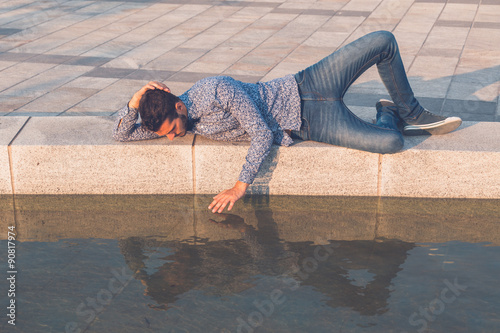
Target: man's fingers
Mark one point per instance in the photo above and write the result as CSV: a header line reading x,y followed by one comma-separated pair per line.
x,y
215,205
223,199
218,205
155,85
221,209
221,205
158,85
147,87
219,197
212,204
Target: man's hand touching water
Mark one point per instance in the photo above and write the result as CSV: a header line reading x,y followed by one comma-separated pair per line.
x,y
226,197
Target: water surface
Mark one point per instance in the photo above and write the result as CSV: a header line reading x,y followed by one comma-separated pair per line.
x,y
275,264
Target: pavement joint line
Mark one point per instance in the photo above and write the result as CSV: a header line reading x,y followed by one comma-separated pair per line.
x,y
193,157
9,151
319,27
75,23
427,36
115,22
459,59
222,42
61,16
177,25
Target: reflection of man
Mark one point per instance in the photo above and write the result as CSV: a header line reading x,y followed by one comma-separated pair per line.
x,y
357,274
221,267
163,285
226,267
309,104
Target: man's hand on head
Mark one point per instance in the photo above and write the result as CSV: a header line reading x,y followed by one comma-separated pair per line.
x,y
134,102
229,196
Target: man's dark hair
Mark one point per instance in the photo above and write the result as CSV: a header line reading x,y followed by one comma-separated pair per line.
x,y
156,106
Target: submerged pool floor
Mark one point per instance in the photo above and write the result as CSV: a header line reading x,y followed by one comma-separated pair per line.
x,y
275,264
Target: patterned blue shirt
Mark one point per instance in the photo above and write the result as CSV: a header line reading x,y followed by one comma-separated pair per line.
x,y
222,108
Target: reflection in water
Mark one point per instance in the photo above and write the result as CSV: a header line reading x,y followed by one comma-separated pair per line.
x,y
276,265
351,274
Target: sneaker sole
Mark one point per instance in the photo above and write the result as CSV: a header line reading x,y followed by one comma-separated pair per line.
x,y
441,127
383,102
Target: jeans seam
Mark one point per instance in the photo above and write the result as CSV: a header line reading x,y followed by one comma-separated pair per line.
x,y
321,97
355,76
308,129
302,74
367,122
397,90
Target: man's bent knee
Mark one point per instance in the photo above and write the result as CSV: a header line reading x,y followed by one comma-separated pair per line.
x,y
394,144
386,35
385,38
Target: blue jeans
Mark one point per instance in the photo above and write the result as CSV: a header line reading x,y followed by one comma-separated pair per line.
x,y
322,86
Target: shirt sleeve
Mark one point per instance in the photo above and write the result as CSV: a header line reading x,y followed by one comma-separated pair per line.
x,y
127,129
235,100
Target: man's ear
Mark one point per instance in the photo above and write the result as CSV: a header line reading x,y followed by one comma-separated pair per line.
x,y
178,106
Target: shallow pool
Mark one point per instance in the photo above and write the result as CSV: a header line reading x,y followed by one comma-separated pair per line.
x,y
275,264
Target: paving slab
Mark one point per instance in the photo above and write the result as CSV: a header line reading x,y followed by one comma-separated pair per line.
x,y
461,164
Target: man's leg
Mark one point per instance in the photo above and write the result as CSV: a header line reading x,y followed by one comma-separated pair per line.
x,y
322,87
418,121
332,122
329,79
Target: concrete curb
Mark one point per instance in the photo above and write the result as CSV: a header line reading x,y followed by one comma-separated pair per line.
x,y
76,155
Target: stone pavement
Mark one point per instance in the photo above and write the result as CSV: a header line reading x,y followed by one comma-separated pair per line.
x,y
79,57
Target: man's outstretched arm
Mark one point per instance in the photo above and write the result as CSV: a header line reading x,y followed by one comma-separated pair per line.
x,y
235,99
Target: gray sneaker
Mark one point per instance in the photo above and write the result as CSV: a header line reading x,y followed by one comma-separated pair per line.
x,y
387,115
430,124
426,124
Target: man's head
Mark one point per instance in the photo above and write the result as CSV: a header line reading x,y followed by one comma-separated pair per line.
x,y
163,113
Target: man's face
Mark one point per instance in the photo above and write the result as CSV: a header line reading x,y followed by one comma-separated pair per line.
x,y
172,129
178,126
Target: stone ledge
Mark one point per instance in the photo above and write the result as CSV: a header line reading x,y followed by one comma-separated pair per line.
x,y
77,155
